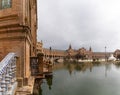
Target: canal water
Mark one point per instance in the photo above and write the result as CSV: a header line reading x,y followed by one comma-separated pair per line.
x,y
82,79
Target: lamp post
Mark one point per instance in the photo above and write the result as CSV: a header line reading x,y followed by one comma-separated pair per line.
x,y
50,53
105,53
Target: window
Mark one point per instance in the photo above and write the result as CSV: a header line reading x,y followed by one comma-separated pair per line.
x,y
5,4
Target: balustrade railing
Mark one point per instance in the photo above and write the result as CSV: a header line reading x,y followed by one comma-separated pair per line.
x,y
8,82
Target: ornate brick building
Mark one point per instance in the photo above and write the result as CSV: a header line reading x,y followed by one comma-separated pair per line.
x,y
81,53
84,54
70,53
18,25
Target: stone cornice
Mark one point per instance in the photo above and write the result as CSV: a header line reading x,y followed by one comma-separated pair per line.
x,y
9,17
12,38
11,28
9,21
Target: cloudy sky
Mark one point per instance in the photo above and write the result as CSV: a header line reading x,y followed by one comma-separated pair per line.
x,y
81,23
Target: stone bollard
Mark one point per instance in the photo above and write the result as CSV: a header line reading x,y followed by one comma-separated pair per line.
x,y
50,66
40,62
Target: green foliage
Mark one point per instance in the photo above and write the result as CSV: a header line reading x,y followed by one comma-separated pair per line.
x,y
118,56
40,54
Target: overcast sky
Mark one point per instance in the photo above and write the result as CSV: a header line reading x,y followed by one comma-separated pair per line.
x,y
81,23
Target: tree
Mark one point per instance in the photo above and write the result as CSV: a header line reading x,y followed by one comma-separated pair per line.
x,y
118,56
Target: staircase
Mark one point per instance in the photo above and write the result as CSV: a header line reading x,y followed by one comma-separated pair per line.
x,y
8,82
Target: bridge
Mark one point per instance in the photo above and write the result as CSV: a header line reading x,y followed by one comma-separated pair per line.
x,y
50,54
53,54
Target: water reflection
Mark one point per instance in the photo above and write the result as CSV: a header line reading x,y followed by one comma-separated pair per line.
x,y
117,64
37,87
38,82
81,79
78,67
85,66
49,81
107,68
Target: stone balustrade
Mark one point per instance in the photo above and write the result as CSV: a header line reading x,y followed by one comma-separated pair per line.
x,y
8,82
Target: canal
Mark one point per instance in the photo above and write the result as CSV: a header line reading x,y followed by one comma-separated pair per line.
x,y
82,79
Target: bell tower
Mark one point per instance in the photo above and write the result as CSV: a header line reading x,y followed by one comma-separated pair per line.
x,y
90,49
18,30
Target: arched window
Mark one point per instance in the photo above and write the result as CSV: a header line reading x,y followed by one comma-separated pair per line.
x,y
5,4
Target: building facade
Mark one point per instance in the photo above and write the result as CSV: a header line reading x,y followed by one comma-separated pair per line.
x,y
18,26
71,53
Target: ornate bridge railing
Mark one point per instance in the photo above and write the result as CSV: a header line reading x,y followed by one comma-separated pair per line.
x,y
8,82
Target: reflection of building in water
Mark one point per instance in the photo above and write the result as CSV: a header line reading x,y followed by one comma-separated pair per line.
x,y
78,67
37,87
49,81
70,68
117,64
90,68
107,68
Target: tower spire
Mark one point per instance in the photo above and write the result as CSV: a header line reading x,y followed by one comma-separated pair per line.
x,y
90,49
70,47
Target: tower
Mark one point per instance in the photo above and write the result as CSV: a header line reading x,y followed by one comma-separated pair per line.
x,y
90,49
70,47
18,26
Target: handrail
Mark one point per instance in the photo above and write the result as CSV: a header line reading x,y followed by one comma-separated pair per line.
x,y
8,82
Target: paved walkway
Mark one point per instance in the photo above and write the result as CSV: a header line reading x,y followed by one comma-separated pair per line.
x,y
26,90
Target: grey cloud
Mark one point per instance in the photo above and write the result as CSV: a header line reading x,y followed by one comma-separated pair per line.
x,y
80,23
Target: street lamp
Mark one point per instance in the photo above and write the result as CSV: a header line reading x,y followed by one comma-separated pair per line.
x,y
50,53
105,53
